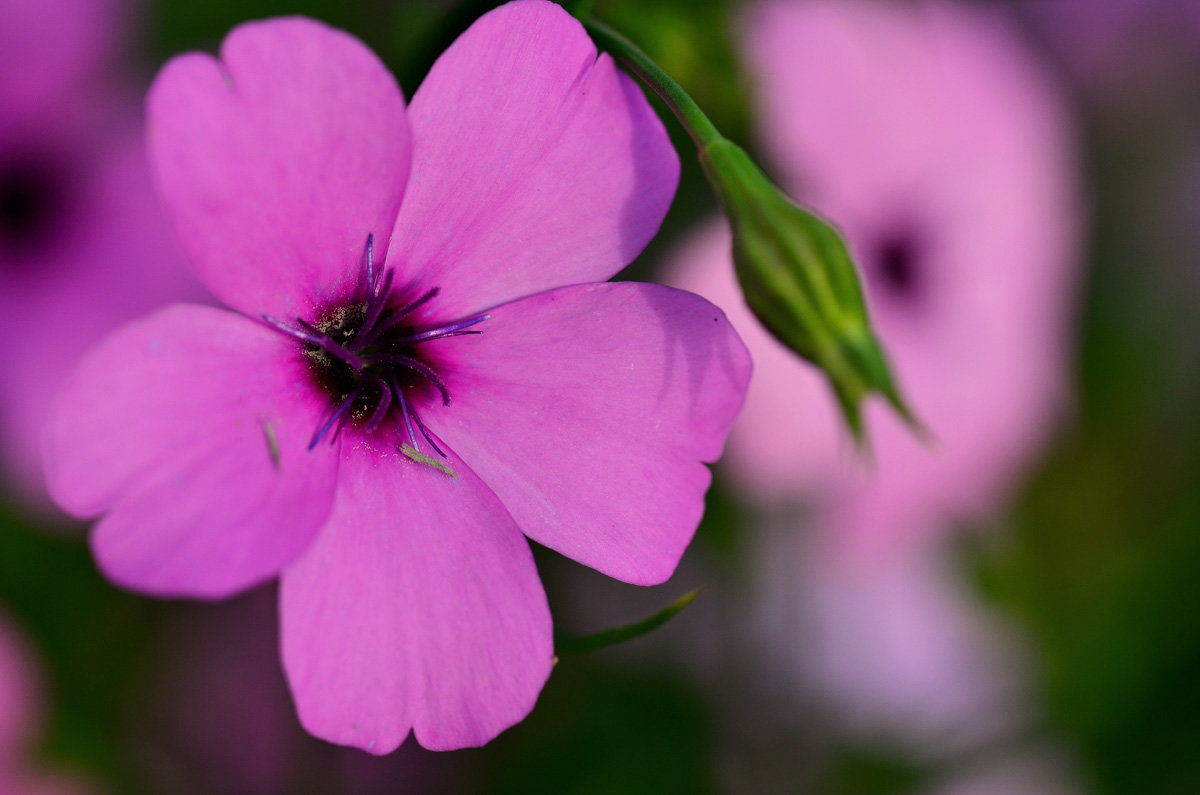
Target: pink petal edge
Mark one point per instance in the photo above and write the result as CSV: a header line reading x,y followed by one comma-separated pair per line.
x,y
568,171
278,160
590,409
418,606
189,429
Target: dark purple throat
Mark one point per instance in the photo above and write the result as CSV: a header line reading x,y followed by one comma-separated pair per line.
x,y
32,202
898,258
371,358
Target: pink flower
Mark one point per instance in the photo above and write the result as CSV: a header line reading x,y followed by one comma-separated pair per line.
x,y
84,245
943,154
406,386
928,134
897,644
1034,770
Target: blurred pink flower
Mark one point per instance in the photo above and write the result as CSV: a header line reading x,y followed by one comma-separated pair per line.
x,y
928,134
896,644
319,442
50,50
20,703
84,244
1026,771
930,138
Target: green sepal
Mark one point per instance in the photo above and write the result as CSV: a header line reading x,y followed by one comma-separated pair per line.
x,y
799,280
579,644
794,268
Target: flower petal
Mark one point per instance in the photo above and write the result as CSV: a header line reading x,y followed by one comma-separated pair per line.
x,y
535,164
190,429
589,409
53,51
789,437
278,160
113,258
896,643
418,606
930,126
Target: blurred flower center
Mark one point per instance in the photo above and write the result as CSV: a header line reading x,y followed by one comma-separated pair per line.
x,y
897,267
30,203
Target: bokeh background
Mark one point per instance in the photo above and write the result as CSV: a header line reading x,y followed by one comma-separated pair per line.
x,y
1022,619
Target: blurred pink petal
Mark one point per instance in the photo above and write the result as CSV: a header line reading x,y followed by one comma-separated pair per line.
x,y
417,605
902,649
84,244
585,172
930,137
18,700
278,160
51,50
1025,771
20,706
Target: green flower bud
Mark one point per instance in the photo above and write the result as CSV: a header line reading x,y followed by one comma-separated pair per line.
x,y
799,280
795,271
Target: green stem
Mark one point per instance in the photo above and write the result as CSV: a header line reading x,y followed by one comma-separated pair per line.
x,y
702,130
575,644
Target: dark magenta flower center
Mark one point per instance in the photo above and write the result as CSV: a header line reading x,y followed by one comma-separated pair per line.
x,y
897,265
31,202
371,358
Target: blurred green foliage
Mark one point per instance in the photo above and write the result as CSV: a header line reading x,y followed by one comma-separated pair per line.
x,y
602,728
1104,564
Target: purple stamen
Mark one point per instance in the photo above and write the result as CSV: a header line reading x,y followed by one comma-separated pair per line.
x,y
299,334
329,345
381,407
369,255
425,433
375,306
405,411
368,349
337,415
394,318
418,366
429,295
451,330
409,412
